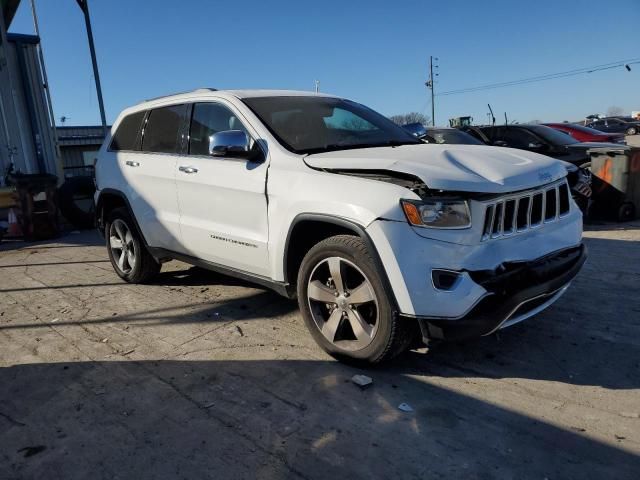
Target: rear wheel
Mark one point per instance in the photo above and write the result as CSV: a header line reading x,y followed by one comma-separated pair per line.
x,y
626,212
345,304
631,131
127,252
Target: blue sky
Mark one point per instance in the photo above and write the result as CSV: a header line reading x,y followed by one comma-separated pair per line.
x,y
375,52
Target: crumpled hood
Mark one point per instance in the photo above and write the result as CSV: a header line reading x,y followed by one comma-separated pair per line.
x,y
465,168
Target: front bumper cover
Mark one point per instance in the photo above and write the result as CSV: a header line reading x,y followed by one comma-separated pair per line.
x,y
516,291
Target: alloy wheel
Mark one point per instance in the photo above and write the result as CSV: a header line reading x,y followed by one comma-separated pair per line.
x,y
122,246
343,303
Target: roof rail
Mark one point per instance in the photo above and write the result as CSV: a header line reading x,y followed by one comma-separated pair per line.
x,y
181,93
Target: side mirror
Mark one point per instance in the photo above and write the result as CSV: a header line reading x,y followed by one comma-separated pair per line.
x,y
230,143
538,147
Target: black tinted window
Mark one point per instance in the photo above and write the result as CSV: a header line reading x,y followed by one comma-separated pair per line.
x,y
162,128
126,136
207,119
518,137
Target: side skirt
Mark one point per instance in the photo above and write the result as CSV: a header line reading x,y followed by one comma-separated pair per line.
x,y
282,288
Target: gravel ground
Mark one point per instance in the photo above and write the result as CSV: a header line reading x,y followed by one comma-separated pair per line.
x,y
202,376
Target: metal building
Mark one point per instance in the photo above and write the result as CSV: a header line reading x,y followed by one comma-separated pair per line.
x,y
27,132
79,146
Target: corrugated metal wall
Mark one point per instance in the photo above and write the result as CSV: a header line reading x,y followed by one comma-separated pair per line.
x,y
26,131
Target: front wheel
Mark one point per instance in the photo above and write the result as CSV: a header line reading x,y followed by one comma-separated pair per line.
x,y
127,252
345,304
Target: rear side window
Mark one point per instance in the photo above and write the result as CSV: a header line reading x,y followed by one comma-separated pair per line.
x,y
162,129
126,137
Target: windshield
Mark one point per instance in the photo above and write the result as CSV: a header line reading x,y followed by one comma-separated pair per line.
x,y
552,136
307,124
452,136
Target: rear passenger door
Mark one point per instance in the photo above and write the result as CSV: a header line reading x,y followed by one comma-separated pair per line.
x,y
150,176
223,201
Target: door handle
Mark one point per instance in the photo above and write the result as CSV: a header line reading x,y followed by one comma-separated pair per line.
x,y
188,169
130,163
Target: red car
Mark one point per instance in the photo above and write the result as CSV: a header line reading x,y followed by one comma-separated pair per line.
x,y
586,134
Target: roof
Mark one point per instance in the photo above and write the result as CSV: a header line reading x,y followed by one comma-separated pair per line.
x,y
23,38
80,135
235,93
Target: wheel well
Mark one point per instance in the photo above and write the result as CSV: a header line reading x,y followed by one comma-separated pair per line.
x,y
303,236
106,203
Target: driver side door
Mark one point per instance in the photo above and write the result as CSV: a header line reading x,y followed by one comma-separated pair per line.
x,y
223,202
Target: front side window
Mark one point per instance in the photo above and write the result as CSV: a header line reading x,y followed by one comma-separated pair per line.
x,y
126,137
162,129
207,119
518,138
312,124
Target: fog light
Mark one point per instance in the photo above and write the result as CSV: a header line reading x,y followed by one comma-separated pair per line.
x,y
444,279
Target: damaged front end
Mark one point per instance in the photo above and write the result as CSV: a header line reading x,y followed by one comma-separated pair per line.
x,y
515,292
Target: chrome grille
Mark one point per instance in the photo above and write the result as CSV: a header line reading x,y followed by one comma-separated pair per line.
x,y
520,212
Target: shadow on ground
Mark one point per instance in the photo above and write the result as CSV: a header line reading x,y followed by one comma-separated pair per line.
x,y
272,419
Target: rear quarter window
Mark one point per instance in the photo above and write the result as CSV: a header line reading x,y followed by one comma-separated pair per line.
x,y
127,134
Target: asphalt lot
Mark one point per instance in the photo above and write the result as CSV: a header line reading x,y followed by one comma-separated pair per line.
x,y
203,376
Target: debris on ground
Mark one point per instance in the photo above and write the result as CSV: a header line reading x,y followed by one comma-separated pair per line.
x,y
362,380
405,407
236,330
31,451
630,414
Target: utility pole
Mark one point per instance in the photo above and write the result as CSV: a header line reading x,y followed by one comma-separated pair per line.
x,y
317,86
47,92
84,6
431,85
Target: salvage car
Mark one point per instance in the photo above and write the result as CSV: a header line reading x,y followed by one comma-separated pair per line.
x,y
615,125
579,177
586,134
544,140
383,239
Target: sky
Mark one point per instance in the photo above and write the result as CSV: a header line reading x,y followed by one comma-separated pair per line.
x,y
374,52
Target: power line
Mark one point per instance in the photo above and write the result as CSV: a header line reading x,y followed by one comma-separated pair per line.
x,y
549,76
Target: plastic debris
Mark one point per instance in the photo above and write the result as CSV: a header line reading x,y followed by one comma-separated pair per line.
x,y
362,380
405,407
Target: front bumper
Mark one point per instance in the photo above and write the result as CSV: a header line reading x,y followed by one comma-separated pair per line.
x,y
516,291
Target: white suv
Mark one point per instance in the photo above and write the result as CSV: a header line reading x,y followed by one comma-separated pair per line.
x,y
385,240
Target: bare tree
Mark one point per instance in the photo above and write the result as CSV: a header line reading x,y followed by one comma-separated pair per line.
x,y
615,111
411,117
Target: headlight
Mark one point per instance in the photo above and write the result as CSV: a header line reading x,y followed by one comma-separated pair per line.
x,y
437,213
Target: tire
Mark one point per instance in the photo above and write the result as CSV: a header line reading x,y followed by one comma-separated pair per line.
x,y
67,200
626,212
631,131
134,264
356,312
